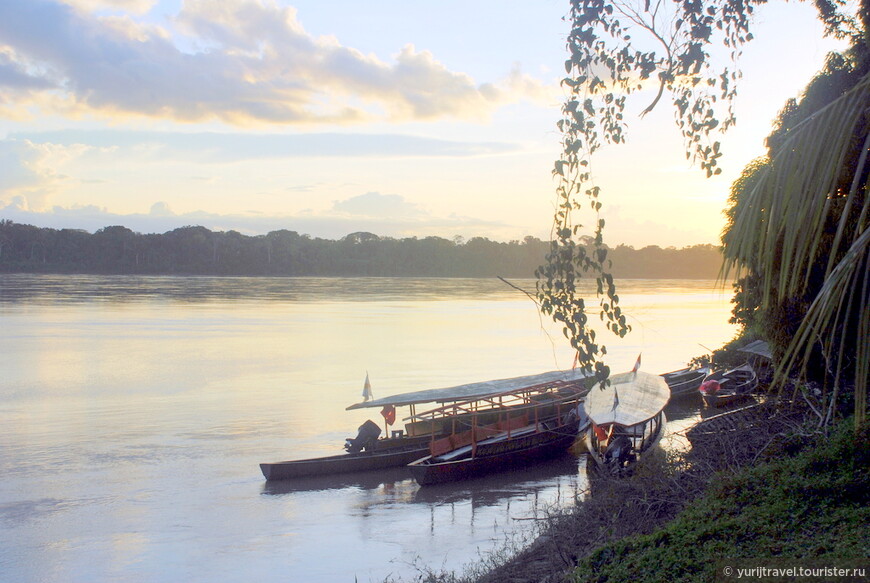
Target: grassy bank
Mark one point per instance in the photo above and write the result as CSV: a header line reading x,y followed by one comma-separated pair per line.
x,y
812,500
770,486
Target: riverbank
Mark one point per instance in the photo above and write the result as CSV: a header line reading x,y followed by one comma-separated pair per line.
x,y
770,486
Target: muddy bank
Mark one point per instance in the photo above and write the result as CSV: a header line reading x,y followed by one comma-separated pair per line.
x,y
662,488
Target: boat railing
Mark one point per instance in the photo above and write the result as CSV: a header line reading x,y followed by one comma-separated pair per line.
x,y
475,434
499,414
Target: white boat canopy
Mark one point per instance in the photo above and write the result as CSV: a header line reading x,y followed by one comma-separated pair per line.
x,y
471,390
631,398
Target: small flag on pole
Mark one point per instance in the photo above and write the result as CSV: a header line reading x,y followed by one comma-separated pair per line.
x,y
636,364
389,413
367,389
615,399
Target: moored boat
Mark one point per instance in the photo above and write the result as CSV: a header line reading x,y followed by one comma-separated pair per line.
x,y
727,386
383,453
521,427
369,451
685,382
627,419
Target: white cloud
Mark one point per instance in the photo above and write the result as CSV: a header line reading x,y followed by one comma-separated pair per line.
x,y
407,220
135,6
375,204
253,63
29,171
211,147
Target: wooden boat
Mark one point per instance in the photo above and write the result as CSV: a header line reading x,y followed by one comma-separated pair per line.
x,y
627,419
685,382
369,451
383,453
727,386
521,427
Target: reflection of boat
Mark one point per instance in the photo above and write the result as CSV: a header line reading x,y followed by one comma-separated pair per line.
x,y
727,386
365,480
627,419
493,489
368,451
507,430
685,381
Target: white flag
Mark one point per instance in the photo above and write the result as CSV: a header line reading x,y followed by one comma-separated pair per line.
x,y
367,389
636,364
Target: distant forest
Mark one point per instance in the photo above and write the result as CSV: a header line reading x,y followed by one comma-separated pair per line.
x,y
199,251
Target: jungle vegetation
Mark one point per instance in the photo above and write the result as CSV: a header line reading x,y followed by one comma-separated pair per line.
x,y
199,251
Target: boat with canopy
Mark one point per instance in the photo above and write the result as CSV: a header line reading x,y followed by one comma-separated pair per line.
x,y
627,418
400,446
501,431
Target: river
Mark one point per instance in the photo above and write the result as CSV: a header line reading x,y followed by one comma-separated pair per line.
x,y
135,412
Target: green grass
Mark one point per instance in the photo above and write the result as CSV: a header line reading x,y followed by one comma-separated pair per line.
x,y
814,503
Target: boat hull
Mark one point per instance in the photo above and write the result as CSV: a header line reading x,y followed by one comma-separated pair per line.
x,y
494,457
685,382
382,457
733,385
724,400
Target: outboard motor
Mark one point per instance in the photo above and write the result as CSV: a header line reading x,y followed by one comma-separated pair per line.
x,y
365,439
619,451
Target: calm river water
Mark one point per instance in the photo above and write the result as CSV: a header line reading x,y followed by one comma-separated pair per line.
x,y
135,412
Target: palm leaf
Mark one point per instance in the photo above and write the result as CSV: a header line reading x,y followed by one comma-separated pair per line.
x,y
780,221
779,227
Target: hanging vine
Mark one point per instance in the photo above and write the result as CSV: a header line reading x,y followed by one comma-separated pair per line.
x,y
604,68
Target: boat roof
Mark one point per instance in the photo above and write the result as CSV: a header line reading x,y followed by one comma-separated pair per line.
x,y
759,347
548,393
640,398
472,390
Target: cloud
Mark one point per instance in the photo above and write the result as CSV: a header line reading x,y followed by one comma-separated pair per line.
x,y
135,6
252,62
229,147
375,204
32,172
28,172
407,220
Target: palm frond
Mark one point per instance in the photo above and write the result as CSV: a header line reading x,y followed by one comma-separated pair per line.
x,y
783,221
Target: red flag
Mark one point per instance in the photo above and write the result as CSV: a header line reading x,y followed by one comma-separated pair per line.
x,y
636,364
600,433
389,413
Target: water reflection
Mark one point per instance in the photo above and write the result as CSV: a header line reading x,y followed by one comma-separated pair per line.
x,y
490,490
567,471
196,289
370,480
123,288
157,397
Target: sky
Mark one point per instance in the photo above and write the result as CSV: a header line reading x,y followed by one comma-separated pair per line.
x,y
332,117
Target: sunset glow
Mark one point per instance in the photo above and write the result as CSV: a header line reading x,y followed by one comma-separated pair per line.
x,y
402,119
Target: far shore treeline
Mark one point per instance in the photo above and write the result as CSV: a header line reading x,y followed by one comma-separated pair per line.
x,y
199,251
